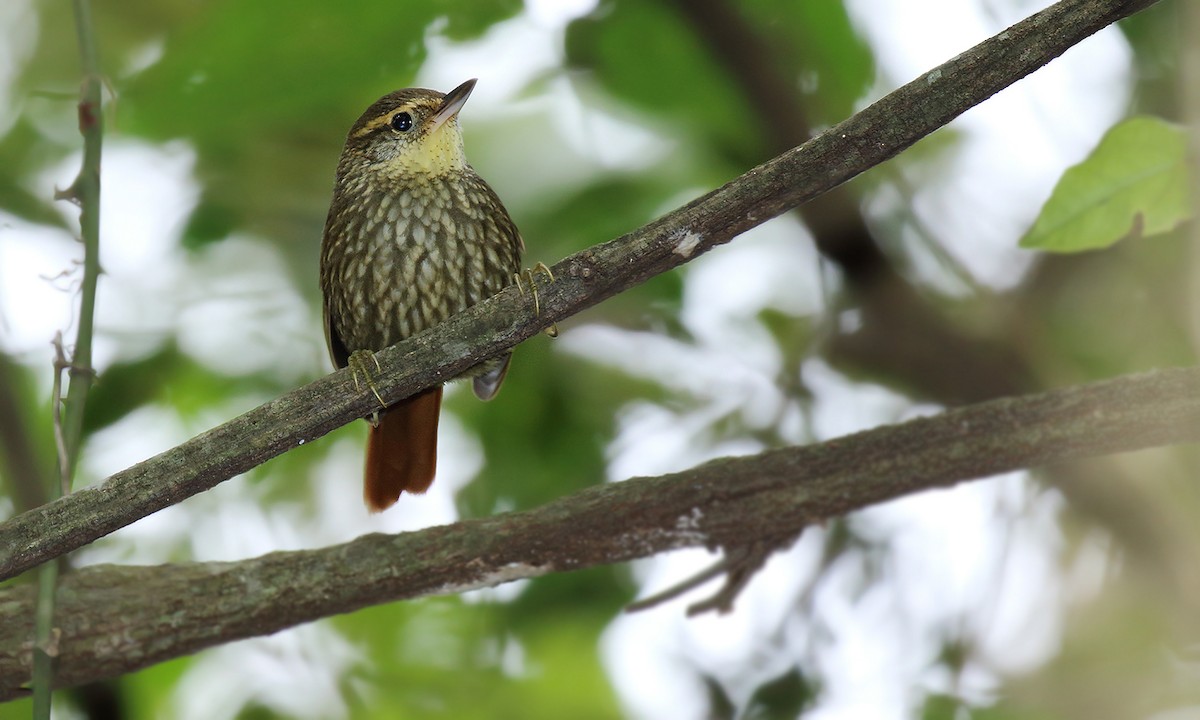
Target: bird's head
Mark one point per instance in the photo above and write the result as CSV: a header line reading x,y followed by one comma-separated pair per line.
x,y
410,132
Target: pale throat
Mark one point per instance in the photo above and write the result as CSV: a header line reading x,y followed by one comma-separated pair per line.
x,y
439,153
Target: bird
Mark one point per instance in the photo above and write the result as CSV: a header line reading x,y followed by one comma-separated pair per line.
x,y
413,236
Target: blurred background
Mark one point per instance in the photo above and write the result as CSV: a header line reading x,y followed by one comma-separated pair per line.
x,y
1066,593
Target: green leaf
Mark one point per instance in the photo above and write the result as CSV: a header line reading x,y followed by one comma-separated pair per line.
x,y
1134,184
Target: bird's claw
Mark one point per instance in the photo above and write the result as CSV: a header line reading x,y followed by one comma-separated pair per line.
x,y
528,275
359,364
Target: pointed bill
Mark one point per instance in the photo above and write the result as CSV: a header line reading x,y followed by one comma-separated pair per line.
x,y
452,103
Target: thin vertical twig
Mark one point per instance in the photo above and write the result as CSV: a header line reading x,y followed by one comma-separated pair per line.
x,y
68,430
56,398
85,191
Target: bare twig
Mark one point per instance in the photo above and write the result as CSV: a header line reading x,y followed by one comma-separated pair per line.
x,y
682,587
738,565
85,190
68,430
56,398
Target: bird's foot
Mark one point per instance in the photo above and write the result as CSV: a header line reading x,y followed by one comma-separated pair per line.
x,y
529,275
360,362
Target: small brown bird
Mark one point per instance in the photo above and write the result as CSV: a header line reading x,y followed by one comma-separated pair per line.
x,y
413,236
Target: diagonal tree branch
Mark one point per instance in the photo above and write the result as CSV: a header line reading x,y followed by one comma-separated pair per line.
x,y
868,138
116,619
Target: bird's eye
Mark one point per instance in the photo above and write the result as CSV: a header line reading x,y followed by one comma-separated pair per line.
x,y
402,122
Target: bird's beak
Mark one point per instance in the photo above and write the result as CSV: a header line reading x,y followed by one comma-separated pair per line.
x,y
452,103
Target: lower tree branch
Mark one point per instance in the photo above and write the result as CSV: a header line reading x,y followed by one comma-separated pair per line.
x,y
116,619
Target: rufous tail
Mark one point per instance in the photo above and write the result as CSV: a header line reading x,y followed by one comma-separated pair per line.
x,y
402,450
